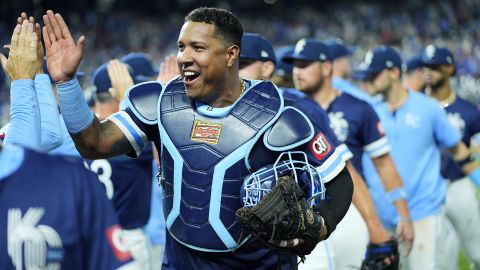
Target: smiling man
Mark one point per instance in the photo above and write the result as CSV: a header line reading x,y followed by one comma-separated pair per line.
x,y
212,130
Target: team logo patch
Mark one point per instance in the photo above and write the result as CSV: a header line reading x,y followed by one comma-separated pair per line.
x,y
206,132
114,236
320,146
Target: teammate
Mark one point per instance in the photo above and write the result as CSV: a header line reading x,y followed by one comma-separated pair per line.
x,y
415,78
462,207
342,71
283,70
257,58
415,126
38,191
355,124
27,96
201,136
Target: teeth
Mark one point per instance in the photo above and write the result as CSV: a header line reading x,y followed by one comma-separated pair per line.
x,y
189,73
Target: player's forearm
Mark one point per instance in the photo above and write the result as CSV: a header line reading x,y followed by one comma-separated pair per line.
x,y
393,183
339,190
463,158
363,202
24,123
93,139
51,133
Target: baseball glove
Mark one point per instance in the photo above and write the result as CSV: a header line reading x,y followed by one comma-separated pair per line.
x,y
284,214
377,253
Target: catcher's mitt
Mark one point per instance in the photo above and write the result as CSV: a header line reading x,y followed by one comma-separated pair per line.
x,y
377,253
284,214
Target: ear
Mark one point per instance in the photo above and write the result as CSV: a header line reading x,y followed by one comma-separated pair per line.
x,y
395,73
451,70
327,68
268,68
232,55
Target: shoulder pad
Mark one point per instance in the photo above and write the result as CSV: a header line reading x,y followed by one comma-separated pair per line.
x,y
293,128
142,99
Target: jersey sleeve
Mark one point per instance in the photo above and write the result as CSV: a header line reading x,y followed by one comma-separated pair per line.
x,y
445,134
137,132
100,231
372,134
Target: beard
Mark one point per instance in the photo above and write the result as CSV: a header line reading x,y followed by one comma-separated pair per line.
x,y
438,84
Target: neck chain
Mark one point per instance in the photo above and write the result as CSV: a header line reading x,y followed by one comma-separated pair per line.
x,y
244,86
449,100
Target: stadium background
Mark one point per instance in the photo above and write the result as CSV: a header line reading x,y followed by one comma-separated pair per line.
x,y
115,27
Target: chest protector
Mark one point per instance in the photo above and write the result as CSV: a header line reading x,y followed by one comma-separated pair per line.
x,y
203,163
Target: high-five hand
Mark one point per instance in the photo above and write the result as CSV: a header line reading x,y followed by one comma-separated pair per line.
x,y
63,55
21,59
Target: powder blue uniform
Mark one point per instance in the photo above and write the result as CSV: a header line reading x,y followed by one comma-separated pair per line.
x,y
465,117
206,152
349,88
415,131
357,125
54,215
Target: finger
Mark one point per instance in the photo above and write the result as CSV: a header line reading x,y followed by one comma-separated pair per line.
x,y
46,38
15,36
110,71
50,32
21,36
31,20
38,31
28,35
63,26
24,16
3,60
81,44
19,20
55,26
33,42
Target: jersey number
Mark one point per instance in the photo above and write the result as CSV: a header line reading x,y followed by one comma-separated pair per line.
x,y
104,171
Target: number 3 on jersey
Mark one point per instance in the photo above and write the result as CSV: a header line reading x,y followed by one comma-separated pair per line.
x,y
104,171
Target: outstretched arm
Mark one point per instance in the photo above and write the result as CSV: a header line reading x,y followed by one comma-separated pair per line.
x,y
93,139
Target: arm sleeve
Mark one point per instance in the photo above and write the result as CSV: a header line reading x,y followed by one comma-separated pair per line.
x,y
24,124
100,231
445,134
338,199
372,134
51,132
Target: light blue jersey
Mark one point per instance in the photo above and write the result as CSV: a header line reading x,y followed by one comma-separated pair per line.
x,y
350,88
67,148
415,132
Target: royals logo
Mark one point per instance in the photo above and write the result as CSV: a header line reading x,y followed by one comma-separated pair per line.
x,y
206,132
33,246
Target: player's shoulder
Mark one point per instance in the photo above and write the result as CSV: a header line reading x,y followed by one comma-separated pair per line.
x,y
423,101
467,104
353,101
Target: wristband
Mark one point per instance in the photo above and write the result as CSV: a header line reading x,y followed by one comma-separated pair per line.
x,y
465,161
398,193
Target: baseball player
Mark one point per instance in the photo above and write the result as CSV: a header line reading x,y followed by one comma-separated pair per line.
x,y
415,126
208,125
462,207
27,96
414,74
355,124
38,191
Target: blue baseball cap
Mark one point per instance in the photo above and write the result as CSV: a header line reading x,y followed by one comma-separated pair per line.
x,y
338,49
255,46
309,49
434,56
79,75
101,81
380,58
140,63
413,63
283,68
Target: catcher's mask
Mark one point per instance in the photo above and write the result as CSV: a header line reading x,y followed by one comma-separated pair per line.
x,y
261,182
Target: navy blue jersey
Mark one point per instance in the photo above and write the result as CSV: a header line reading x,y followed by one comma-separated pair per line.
x,y
465,117
128,183
54,215
355,122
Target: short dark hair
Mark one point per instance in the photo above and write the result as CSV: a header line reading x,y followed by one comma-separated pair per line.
x,y
227,25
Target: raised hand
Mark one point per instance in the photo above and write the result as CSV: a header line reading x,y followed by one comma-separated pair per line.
x,y
40,52
21,59
63,55
168,69
120,78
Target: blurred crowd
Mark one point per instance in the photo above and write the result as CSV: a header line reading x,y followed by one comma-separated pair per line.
x,y
406,25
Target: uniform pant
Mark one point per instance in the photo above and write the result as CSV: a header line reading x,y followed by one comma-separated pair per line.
x,y
428,251
463,211
344,249
137,242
